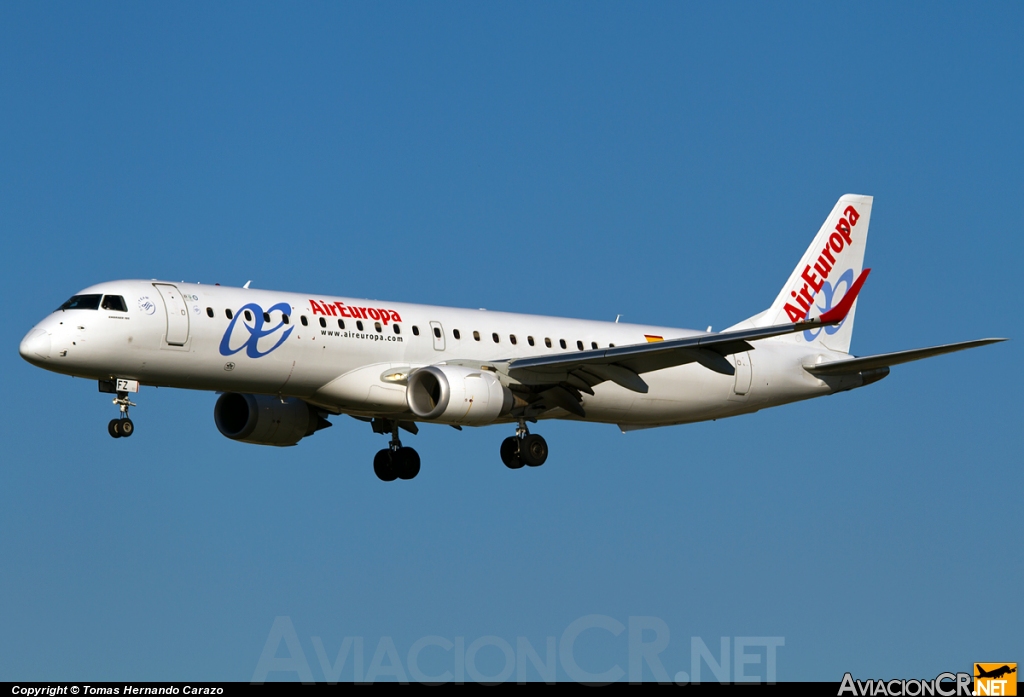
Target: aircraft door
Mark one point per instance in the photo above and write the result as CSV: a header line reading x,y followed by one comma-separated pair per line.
x,y
743,374
177,314
438,334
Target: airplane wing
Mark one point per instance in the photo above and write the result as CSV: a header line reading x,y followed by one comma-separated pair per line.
x,y
558,380
624,365
886,360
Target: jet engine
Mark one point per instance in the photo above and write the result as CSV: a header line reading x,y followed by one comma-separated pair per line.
x,y
453,394
265,420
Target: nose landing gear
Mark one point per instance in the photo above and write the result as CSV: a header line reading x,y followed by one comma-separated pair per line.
x,y
122,427
524,448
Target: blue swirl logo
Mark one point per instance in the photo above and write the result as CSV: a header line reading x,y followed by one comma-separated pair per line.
x,y
256,331
830,294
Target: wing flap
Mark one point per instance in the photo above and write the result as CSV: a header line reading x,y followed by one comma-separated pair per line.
x,y
886,360
622,376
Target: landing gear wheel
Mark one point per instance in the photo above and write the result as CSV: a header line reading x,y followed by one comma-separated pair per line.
x,y
123,427
406,463
533,451
510,453
382,466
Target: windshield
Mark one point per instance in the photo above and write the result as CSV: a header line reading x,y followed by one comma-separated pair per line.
x,y
82,302
115,303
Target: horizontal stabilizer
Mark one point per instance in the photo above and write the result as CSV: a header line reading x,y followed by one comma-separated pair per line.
x,y
885,360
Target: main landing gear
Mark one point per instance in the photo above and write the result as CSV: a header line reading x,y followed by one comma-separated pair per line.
x,y
122,427
395,461
524,448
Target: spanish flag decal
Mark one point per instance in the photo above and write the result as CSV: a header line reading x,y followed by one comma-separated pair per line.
x,y
651,338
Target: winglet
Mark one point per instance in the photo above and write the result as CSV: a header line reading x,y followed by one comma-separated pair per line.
x,y
839,312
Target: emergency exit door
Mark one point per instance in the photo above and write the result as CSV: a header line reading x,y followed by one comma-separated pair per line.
x,y
438,334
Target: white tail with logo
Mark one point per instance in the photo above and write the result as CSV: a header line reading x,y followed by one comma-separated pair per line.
x,y
825,273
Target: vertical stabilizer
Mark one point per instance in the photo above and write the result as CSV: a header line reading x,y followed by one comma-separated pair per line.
x,y
826,272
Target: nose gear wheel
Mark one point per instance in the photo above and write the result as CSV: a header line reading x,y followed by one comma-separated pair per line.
x,y
122,427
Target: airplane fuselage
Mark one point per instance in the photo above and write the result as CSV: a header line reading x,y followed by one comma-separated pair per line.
x,y
333,351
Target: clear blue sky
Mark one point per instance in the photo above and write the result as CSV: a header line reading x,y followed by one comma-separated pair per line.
x,y
663,161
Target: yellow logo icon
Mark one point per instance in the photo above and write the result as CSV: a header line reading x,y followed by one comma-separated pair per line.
x,y
995,679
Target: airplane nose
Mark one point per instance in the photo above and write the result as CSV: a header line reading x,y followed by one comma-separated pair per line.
x,y
35,346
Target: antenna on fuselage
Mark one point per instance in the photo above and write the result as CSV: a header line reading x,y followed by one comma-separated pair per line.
x,y
617,318
246,286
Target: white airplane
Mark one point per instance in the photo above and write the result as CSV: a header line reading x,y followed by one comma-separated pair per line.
x,y
284,362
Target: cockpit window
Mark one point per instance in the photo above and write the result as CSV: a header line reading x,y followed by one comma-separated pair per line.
x,y
114,303
82,302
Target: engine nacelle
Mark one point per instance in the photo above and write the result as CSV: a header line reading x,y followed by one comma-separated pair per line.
x,y
265,420
453,394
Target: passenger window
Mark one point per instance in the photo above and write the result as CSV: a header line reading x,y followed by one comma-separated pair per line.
x,y
228,314
529,340
359,325
115,303
305,322
579,345
512,338
323,322
561,342
456,333
398,330
266,317
547,342
341,324
495,337
593,345
476,336
611,345
437,332
415,330
248,316
376,325
209,312
284,318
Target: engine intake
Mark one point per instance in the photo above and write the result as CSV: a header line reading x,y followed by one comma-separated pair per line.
x,y
456,395
265,420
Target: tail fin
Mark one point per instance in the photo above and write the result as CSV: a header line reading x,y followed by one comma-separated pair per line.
x,y
824,275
